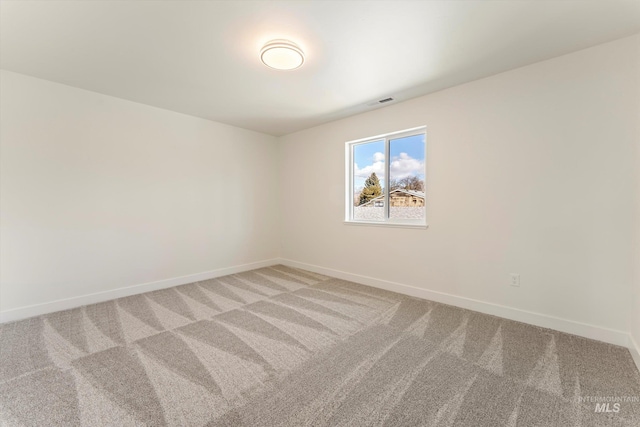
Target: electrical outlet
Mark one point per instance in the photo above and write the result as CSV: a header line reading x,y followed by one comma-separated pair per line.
x,y
515,279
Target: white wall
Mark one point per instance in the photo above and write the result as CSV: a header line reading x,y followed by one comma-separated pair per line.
x,y
635,318
99,193
529,171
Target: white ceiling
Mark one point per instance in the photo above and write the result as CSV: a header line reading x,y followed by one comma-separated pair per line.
x,y
201,57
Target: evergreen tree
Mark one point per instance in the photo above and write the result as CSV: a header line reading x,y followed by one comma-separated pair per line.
x,y
371,190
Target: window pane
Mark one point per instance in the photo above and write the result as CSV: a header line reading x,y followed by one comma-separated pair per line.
x,y
406,177
368,181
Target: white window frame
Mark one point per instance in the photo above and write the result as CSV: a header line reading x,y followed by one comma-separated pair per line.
x,y
387,222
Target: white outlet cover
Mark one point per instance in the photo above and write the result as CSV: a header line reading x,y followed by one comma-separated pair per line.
x,y
515,279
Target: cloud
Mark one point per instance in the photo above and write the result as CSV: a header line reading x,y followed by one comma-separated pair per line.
x,y
401,166
377,167
404,166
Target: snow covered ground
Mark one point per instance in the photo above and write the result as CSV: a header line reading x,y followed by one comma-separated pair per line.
x,y
370,213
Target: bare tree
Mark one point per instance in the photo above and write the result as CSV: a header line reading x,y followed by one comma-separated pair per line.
x,y
356,196
411,183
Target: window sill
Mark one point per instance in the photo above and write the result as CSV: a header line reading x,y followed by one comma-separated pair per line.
x,y
387,224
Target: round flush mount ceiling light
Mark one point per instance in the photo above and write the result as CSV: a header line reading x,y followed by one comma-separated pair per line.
x,y
282,55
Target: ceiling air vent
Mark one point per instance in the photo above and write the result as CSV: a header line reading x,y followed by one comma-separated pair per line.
x,y
380,101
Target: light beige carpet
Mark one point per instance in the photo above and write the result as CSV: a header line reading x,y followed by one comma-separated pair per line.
x,y
284,347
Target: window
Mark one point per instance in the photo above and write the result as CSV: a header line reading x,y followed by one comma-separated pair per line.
x,y
385,183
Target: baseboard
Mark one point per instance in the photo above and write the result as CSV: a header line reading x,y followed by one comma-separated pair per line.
x,y
68,303
598,333
634,349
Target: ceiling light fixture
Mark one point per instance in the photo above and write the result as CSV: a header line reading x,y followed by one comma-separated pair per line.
x,y
282,55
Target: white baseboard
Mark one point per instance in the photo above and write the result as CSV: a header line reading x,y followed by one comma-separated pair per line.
x,y
634,349
68,303
598,333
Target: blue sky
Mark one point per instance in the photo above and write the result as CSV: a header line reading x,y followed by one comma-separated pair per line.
x,y
407,159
